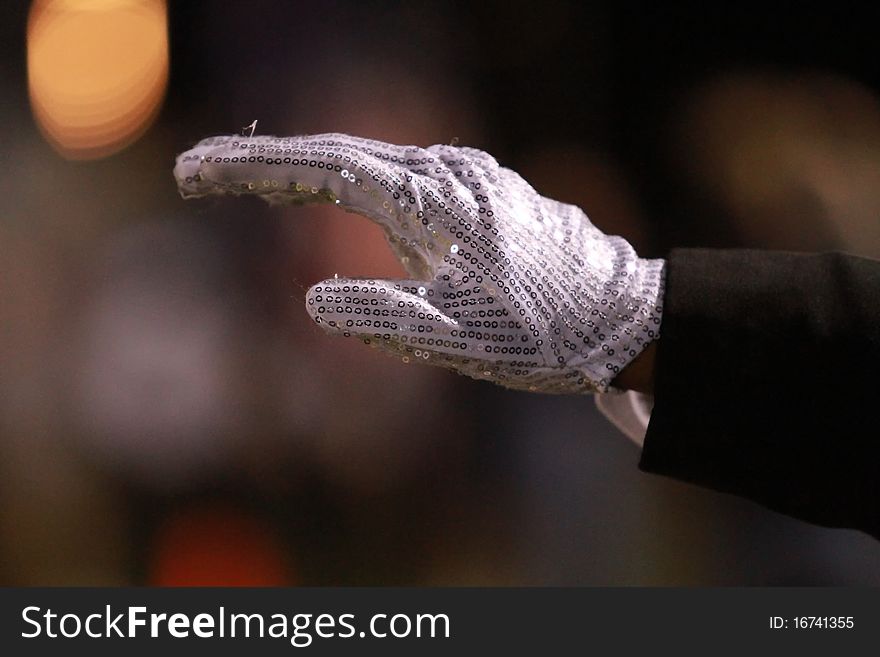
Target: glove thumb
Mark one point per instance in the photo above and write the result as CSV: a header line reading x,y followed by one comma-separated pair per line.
x,y
396,315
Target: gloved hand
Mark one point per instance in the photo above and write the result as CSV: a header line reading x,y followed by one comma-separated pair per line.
x,y
508,286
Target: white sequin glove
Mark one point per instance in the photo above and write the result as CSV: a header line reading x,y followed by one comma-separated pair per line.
x,y
507,286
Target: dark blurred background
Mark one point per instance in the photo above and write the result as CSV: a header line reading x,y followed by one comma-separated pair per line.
x,y
169,415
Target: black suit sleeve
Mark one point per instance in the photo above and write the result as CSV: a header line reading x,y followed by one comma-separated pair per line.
x,y
766,382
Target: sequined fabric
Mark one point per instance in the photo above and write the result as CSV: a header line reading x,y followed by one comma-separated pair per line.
x,y
507,286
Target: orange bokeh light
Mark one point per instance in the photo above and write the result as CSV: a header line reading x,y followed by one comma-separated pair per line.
x,y
216,546
97,72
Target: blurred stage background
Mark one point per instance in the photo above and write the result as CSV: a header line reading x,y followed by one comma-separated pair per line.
x,y
168,414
